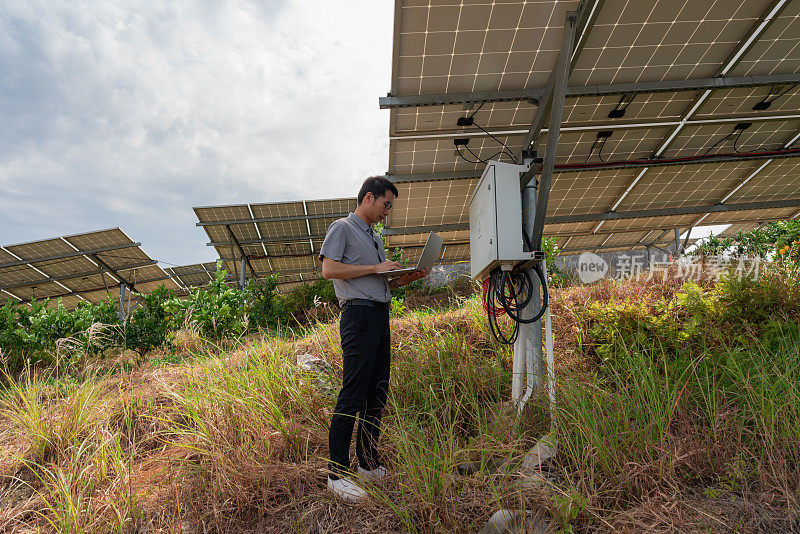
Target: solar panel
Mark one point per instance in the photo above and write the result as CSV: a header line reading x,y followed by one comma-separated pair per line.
x,y
651,44
86,266
274,238
194,275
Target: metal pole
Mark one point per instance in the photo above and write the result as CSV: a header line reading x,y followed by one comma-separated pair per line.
x,y
121,303
556,112
528,361
677,243
242,273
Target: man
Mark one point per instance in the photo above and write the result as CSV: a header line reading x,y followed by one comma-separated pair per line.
x,y
353,257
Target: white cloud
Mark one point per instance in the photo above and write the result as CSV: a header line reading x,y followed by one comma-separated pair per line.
x,y
129,114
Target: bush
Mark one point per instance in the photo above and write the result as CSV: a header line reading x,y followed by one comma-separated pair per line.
x,y
302,298
265,308
31,332
215,311
146,327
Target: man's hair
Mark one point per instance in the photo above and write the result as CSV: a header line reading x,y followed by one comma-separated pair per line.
x,y
377,185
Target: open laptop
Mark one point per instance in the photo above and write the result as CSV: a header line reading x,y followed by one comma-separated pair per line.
x,y
429,254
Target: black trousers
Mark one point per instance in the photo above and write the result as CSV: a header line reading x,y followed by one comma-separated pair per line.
x,y
365,386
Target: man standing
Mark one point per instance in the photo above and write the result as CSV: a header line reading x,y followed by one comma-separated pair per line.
x,y
353,257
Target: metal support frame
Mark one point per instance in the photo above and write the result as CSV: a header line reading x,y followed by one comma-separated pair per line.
x,y
63,277
681,210
241,250
258,231
121,310
296,239
645,164
272,219
65,256
614,215
113,272
559,76
536,95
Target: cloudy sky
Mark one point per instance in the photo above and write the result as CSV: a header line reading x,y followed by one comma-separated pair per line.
x,y
130,113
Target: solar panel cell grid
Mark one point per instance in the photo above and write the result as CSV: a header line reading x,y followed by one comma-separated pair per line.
x,y
322,207
222,213
725,138
101,239
441,202
587,147
433,155
277,209
588,192
634,41
282,249
695,185
501,115
638,107
18,274
476,47
67,266
722,102
283,229
778,180
320,226
40,249
777,49
750,215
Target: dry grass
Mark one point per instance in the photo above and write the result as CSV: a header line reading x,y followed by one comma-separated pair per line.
x,y
236,441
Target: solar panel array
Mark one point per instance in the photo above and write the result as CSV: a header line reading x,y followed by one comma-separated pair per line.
x,y
283,239
632,61
280,238
80,267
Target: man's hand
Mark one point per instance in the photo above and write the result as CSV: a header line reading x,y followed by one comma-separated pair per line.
x,y
409,277
387,266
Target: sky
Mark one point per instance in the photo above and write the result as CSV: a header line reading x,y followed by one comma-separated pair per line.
x,y
128,114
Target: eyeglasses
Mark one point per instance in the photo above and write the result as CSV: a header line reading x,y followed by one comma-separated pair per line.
x,y
387,206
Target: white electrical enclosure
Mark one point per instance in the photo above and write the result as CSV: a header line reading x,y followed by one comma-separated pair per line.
x,y
495,220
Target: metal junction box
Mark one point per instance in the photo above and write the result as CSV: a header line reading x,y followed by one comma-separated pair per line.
x,y
495,220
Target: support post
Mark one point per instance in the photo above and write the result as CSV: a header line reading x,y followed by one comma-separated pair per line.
x,y
528,361
242,273
677,243
121,311
554,126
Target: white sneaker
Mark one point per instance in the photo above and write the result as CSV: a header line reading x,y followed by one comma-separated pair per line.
x,y
373,475
346,489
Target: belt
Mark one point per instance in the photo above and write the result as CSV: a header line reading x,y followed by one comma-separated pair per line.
x,y
366,302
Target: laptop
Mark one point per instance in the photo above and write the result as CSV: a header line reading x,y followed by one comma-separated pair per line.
x,y
429,254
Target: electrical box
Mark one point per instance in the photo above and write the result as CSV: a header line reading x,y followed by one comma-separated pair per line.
x,y
495,220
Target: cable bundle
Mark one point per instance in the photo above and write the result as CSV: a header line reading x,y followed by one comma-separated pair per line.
x,y
508,292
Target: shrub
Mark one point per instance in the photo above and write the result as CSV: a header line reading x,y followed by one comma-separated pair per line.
x,y
146,327
215,311
31,332
265,308
302,298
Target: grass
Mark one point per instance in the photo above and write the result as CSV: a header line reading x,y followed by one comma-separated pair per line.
x,y
664,432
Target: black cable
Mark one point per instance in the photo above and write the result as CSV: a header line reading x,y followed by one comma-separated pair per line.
x,y
474,155
508,150
736,142
458,150
477,110
600,150
773,99
712,147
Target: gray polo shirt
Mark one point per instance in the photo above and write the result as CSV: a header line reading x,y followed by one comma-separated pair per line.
x,y
350,240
